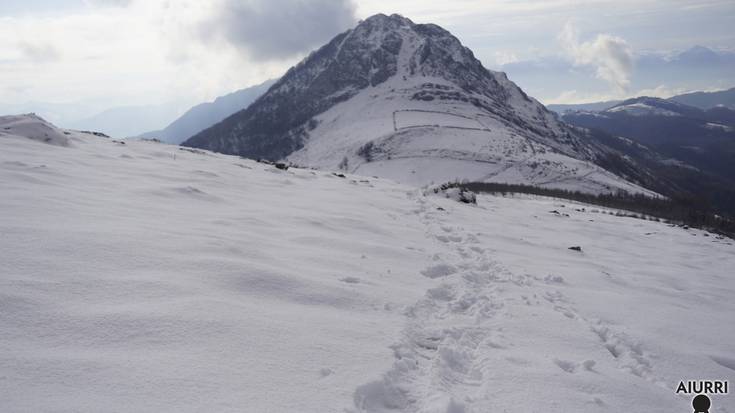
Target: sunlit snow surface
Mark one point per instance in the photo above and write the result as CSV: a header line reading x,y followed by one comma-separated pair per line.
x,y
141,277
455,139
642,109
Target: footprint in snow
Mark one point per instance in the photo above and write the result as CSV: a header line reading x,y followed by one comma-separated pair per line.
x,y
568,366
448,238
350,280
189,190
439,270
554,279
571,367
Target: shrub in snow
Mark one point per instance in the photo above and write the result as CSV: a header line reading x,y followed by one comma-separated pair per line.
x,y
196,151
461,195
452,191
366,151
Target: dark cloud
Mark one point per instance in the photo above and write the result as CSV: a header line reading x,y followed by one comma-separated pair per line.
x,y
274,29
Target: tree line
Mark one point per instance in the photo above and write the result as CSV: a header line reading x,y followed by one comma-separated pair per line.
x,y
682,210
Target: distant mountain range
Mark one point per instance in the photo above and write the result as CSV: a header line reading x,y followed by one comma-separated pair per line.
x,y
120,122
128,121
708,100
170,122
593,106
207,114
700,143
701,100
407,101
62,114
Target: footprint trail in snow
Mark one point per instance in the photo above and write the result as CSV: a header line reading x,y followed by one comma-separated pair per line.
x,y
473,337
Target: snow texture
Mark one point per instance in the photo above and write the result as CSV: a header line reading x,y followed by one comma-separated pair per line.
x,y
146,277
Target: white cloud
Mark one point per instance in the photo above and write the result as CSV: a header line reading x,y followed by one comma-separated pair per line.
x,y
145,53
149,51
505,57
39,52
611,56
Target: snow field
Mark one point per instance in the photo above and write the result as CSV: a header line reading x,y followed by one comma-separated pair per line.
x,y
143,277
466,142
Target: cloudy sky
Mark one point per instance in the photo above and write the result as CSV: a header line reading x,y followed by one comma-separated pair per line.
x,y
118,52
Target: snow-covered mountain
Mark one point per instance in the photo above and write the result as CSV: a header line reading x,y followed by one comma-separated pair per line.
x,y
708,100
724,99
656,121
207,114
137,276
651,106
407,101
588,107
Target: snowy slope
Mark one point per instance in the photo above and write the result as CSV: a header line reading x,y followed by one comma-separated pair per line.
x,y
439,142
33,127
649,106
146,277
642,109
407,101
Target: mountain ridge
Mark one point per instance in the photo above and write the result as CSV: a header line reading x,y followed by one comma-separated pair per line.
x,y
699,99
691,148
204,115
408,101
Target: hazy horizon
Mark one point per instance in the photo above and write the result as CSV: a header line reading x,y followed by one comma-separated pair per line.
x,y
103,54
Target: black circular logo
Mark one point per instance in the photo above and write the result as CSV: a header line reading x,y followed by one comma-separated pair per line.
x,y
701,403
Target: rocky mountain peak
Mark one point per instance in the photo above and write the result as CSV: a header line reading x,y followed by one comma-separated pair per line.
x,y
382,21
377,49
393,89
